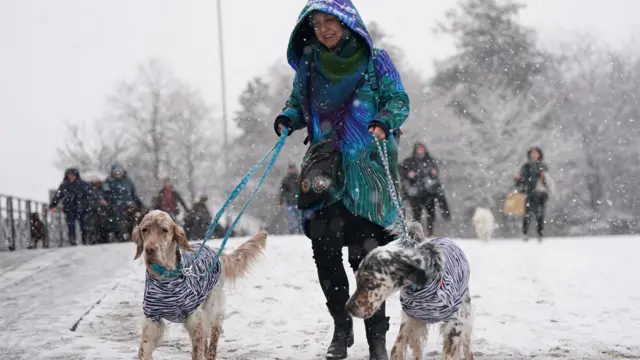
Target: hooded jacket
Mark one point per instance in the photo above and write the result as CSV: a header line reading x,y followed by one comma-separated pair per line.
x,y
75,196
120,192
175,197
531,172
366,185
423,168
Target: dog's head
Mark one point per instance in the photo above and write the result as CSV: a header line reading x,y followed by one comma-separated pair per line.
x,y
389,268
158,236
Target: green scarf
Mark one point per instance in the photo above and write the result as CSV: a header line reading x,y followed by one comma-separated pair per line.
x,y
335,76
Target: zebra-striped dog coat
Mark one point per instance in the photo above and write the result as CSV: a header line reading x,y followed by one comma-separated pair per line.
x,y
174,299
440,300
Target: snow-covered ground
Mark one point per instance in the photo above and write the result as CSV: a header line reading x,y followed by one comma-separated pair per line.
x,y
573,298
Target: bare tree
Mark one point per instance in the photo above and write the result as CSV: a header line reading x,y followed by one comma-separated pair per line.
x,y
191,141
157,127
96,148
140,110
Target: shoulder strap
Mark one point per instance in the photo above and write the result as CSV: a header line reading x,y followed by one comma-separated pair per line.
x,y
370,75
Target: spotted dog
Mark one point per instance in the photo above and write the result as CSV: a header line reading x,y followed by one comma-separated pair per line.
x,y
433,278
174,288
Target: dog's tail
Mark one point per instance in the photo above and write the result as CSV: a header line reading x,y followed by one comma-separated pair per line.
x,y
239,261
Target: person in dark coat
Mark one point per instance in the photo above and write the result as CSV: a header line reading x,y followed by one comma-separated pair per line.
x,y
75,195
422,187
168,199
531,181
197,221
289,198
98,215
123,200
119,189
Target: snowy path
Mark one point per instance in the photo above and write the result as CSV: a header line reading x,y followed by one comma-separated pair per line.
x,y
563,299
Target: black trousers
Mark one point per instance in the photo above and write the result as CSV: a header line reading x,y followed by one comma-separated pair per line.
x,y
418,205
330,229
72,217
535,207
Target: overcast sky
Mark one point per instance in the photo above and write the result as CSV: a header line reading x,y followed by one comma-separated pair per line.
x,y
59,59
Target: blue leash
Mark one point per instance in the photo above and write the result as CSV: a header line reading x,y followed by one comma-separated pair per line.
x,y
234,194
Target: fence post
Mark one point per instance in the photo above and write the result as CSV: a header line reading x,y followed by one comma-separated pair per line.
x,y
27,211
12,234
45,222
59,216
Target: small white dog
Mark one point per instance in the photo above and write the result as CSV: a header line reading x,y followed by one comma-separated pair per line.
x,y
176,294
484,223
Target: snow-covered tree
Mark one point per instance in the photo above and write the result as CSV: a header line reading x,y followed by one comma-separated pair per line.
x,y
493,48
602,116
487,103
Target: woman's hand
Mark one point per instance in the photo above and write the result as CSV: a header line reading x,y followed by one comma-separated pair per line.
x,y
281,123
378,132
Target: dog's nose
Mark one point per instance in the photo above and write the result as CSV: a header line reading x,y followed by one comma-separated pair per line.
x,y
150,251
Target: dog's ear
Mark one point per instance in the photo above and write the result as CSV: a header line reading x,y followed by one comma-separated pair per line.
x,y
416,276
180,237
136,237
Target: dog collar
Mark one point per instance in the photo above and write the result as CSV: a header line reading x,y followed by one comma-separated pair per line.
x,y
166,273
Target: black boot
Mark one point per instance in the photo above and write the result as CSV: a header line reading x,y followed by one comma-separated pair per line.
x,y
376,328
342,335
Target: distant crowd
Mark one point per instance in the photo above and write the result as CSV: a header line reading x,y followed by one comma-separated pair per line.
x,y
107,210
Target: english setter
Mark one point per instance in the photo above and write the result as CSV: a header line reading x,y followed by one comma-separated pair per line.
x,y
433,278
178,287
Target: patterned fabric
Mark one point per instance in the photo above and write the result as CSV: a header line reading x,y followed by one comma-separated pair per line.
x,y
174,299
366,192
335,76
440,300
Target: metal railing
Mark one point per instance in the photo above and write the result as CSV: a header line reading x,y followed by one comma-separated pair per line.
x,y
15,224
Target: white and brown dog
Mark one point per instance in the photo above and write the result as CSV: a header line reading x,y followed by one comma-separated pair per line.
x,y
178,286
434,279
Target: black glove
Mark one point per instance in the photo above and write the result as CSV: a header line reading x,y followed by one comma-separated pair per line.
x,y
284,121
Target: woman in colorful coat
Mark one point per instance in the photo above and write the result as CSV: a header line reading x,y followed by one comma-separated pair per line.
x,y
349,92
